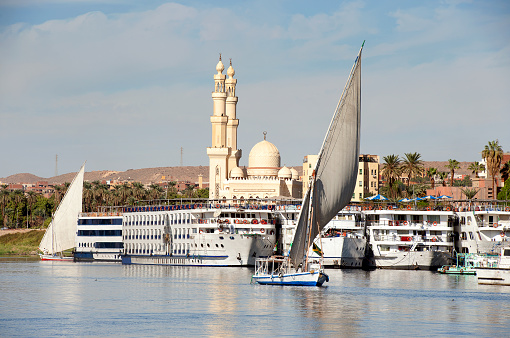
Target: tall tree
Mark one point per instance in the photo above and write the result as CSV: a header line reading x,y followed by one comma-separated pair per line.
x,y
391,171
505,171
443,175
493,155
431,173
452,165
476,168
412,166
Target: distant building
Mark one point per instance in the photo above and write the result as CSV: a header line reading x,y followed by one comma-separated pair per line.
x,y
367,181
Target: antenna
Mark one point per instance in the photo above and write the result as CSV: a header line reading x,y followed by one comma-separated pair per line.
x,y
181,147
56,165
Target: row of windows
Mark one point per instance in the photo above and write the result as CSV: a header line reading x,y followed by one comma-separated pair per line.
x,y
100,221
102,245
99,232
142,234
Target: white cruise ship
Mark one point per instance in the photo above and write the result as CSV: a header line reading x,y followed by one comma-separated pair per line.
x,y
410,239
343,241
483,228
198,234
99,237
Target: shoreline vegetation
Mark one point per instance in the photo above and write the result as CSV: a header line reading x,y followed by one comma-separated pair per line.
x,y
20,242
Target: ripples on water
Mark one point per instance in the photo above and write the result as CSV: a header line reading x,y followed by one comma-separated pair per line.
x,y
42,299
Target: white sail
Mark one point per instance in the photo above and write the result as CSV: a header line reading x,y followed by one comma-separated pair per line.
x,y
336,168
61,232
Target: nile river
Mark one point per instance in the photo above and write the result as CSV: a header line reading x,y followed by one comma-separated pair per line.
x,y
46,299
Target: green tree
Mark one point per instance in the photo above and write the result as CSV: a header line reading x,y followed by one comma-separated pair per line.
x,y
431,173
391,172
476,168
412,166
493,155
505,171
443,175
469,193
504,194
452,165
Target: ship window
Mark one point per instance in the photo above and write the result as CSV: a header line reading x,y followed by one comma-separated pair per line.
x,y
216,244
221,237
506,252
231,237
463,236
208,245
471,236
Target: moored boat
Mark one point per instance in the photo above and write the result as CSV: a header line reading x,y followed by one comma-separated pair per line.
x,y
495,272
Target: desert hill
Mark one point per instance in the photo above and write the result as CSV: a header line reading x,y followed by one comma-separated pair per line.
x,y
186,173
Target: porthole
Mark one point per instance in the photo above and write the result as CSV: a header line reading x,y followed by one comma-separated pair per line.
x,y
216,244
222,245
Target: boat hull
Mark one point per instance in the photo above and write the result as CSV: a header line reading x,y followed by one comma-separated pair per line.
x,y
315,278
493,276
55,258
456,270
413,260
342,252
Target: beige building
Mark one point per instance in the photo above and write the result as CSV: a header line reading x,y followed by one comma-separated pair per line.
x,y
367,182
264,178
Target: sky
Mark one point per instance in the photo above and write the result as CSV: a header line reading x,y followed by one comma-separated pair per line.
x,y
127,84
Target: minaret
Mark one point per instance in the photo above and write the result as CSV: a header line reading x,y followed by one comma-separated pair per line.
x,y
219,118
219,152
233,122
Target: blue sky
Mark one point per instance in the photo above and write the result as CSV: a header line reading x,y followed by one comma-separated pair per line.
x,y
126,84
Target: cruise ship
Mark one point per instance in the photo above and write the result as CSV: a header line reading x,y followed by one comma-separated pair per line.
x,y
198,234
99,237
407,238
484,228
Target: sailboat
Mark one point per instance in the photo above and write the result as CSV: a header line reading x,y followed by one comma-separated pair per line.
x,y
330,190
60,234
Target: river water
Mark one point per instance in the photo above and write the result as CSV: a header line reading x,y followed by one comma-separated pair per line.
x,y
42,299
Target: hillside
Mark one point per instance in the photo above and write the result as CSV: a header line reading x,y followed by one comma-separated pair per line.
x,y
188,173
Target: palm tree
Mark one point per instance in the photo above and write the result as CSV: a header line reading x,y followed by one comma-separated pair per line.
x,y
452,165
88,196
412,165
505,171
476,167
31,198
493,155
469,193
443,175
155,192
431,173
138,191
391,171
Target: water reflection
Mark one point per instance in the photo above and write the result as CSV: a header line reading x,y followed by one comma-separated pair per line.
x,y
60,298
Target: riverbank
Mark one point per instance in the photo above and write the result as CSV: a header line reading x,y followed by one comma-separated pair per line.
x,y
20,242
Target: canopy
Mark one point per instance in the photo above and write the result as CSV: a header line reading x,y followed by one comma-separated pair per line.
x,y
444,197
428,197
405,200
377,198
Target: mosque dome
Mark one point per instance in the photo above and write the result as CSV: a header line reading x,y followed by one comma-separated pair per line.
x,y
237,173
295,175
264,159
284,173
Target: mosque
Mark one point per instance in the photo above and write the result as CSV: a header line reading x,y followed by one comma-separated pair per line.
x,y
264,178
